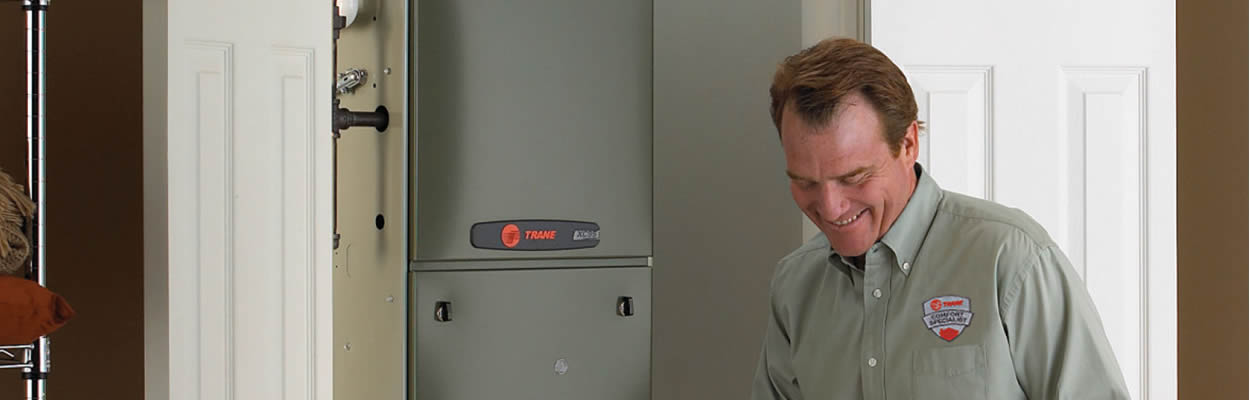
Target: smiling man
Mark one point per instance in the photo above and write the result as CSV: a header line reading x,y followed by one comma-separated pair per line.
x,y
912,292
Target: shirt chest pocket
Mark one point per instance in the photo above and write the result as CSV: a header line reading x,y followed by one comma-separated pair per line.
x,y
949,373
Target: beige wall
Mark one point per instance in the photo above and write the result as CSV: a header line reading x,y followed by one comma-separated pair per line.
x,y
1212,193
95,188
723,214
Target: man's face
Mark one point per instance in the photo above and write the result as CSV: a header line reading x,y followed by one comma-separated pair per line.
x,y
844,176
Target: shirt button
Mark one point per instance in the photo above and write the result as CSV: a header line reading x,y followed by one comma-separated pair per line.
x,y
872,362
876,293
906,267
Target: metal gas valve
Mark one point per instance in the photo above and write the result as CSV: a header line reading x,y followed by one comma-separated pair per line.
x,y
350,79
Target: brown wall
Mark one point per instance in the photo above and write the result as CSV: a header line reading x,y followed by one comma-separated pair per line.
x,y
95,216
1211,89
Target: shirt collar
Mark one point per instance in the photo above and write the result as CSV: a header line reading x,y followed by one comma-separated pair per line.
x,y
908,232
912,226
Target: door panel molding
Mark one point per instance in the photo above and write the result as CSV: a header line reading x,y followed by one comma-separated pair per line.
x,y
295,69
957,102
1103,112
201,220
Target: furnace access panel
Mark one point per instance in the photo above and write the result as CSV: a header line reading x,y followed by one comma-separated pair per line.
x,y
496,222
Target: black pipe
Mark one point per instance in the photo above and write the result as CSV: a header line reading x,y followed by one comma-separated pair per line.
x,y
379,119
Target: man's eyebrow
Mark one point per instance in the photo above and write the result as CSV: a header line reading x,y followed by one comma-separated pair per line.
x,y
847,175
855,172
793,176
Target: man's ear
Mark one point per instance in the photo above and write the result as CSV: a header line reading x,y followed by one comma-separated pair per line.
x,y
909,145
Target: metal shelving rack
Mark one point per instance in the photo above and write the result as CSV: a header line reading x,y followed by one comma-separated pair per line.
x,y
33,358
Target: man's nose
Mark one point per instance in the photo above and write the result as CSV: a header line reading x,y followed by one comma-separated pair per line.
x,y
832,202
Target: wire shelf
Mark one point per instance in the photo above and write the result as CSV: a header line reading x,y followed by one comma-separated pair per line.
x,y
16,356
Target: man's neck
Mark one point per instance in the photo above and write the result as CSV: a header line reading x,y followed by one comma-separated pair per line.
x,y
915,181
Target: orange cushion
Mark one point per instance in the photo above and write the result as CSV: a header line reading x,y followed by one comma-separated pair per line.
x,y
28,311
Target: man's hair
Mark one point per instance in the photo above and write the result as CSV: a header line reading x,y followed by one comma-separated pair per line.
x,y
817,79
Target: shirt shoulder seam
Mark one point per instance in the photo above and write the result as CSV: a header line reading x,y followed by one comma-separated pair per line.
x,y
784,265
1018,283
786,260
1037,244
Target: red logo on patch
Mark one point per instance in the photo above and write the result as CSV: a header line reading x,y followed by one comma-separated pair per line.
x,y
949,334
935,304
511,235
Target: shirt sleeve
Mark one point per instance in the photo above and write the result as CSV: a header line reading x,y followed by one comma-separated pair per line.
x,y
1057,342
774,377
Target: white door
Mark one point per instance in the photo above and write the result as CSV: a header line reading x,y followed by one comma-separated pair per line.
x,y
248,161
1066,110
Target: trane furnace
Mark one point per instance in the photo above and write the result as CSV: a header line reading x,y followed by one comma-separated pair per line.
x,y
493,199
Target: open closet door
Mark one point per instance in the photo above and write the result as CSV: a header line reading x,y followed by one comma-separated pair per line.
x,y
238,151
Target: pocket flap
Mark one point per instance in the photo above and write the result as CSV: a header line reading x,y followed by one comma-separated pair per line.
x,y
948,361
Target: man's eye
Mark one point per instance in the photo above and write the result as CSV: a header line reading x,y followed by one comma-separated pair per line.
x,y
857,179
805,185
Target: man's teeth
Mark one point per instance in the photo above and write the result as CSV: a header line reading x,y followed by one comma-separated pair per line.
x,y
848,220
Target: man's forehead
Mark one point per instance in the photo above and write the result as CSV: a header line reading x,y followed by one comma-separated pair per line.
x,y
846,146
848,120
845,141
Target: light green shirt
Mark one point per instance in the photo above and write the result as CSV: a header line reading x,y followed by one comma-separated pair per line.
x,y
962,299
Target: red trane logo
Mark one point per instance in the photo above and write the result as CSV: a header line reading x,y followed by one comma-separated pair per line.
x,y
540,235
510,235
938,304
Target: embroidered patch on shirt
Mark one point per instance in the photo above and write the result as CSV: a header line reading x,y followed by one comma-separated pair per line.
x,y
947,316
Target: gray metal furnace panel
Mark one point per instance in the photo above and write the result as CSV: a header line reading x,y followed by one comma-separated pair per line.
x,y
532,110
532,334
